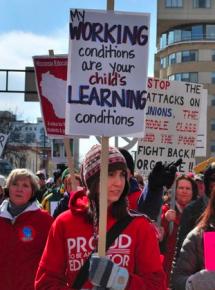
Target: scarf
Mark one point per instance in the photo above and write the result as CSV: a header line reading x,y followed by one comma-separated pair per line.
x,y
15,210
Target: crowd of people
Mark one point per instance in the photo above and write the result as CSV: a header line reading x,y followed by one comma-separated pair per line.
x,y
156,228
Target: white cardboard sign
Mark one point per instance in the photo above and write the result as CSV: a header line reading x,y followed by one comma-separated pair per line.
x,y
107,73
171,124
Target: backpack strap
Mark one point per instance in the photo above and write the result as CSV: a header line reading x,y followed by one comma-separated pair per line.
x,y
112,234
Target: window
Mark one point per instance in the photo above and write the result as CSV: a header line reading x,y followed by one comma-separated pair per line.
x,y
30,138
213,125
185,77
164,62
188,55
178,57
186,34
210,31
163,40
212,149
172,59
193,77
213,100
171,37
171,77
197,32
213,77
201,3
193,55
213,55
177,35
185,56
174,3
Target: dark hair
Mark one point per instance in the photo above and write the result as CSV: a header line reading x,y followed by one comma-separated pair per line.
x,y
193,184
208,215
129,159
209,175
119,208
57,174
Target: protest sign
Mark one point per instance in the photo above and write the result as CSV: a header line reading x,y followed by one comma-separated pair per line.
x,y
107,67
3,140
51,76
58,153
209,250
201,142
171,124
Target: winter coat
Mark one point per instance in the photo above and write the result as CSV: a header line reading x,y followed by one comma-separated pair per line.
x,y
22,239
71,241
189,218
63,204
190,261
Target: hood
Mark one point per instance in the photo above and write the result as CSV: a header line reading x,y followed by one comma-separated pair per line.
x,y
78,201
5,213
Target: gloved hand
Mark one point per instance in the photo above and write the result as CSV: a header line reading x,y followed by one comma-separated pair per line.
x,y
103,273
163,175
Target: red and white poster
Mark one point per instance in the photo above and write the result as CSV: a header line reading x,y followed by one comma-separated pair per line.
x,y
51,76
171,124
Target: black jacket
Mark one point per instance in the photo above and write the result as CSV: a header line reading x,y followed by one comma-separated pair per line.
x,y
62,205
189,219
190,260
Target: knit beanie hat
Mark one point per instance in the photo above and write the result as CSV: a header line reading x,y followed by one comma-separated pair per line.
x,y
91,164
129,159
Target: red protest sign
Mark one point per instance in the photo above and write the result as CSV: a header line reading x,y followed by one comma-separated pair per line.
x,y
51,76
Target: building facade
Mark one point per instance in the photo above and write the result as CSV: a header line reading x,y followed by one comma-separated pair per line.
x,y
27,145
186,49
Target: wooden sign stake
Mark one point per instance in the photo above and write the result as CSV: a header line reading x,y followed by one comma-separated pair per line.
x,y
68,150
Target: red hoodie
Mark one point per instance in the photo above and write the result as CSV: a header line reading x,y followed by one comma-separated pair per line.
x,y
70,242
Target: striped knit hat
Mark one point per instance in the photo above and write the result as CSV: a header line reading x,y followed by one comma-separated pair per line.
x,y
91,164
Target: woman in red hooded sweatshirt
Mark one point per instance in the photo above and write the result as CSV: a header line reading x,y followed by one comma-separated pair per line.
x,y
73,237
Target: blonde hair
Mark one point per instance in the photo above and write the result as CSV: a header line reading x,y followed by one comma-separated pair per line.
x,y
19,173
